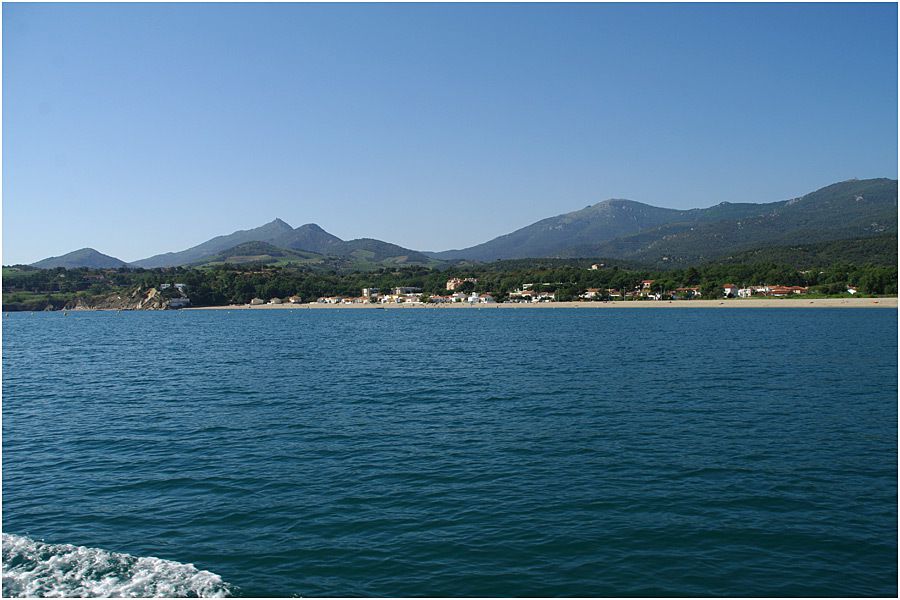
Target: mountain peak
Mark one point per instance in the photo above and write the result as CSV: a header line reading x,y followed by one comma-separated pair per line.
x,y
614,202
84,257
280,223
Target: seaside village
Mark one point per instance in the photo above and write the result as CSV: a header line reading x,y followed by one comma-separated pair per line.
x,y
528,294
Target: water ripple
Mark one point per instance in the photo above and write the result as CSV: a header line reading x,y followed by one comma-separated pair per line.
x,y
464,453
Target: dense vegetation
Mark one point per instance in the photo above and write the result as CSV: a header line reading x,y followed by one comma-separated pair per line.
x,y
878,250
28,288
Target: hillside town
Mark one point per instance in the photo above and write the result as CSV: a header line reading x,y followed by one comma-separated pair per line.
x,y
519,283
530,293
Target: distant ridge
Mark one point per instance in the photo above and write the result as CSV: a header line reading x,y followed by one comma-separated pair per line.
x,y
631,230
277,241
85,257
847,210
265,233
549,237
616,229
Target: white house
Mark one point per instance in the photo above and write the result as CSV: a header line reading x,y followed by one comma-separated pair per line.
x,y
688,292
179,302
731,290
525,294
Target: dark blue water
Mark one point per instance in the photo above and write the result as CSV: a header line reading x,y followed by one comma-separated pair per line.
x,y
518,452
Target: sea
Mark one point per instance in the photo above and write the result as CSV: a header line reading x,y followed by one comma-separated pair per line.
x,y
526,452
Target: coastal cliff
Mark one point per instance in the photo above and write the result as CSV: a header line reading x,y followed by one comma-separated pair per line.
x,y
151,299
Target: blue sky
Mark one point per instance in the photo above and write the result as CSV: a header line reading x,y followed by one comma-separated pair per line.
x,y
143,128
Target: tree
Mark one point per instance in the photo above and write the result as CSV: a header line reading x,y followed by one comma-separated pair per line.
x,y
713,291
692,277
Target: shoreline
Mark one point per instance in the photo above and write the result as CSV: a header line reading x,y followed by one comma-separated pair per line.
x,y
629,304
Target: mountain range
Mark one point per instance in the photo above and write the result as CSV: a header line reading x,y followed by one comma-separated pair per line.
x,y
614,229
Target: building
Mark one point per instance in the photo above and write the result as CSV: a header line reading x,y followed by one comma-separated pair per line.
x,y
523,295
731,290
689,293
456,282
369,292
402,291
179,302
597,266
591,294
257,301
787,290
295,300
275,301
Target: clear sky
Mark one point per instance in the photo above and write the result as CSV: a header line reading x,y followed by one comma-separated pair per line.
x,y
143,128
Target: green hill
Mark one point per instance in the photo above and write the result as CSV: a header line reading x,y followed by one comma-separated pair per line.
x,y
880,251
265,233
261,253
361,255
86,257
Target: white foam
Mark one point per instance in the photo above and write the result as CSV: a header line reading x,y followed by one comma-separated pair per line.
x,y
32,568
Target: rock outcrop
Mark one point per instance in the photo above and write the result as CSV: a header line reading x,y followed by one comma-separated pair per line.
x,y
151,299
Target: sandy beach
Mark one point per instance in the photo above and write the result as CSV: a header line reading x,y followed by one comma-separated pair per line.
x,y
730,303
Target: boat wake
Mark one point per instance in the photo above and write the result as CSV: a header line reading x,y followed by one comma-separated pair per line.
x,y
36,569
